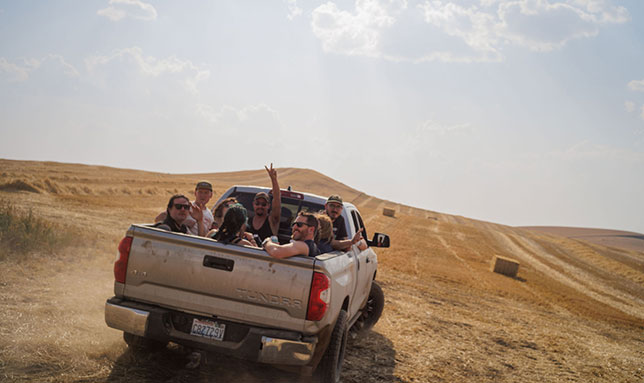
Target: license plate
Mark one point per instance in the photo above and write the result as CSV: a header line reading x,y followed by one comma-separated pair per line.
x,y
208,329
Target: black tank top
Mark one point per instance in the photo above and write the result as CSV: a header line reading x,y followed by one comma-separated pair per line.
x,y
263,232
313,249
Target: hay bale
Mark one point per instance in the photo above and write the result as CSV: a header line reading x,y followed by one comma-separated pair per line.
x,y
388,212
505,266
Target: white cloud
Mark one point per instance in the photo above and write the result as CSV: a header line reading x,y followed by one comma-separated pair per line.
x,y
59,61
642,112
453,32
354,33
636,85
603,12
474,27
119,9
14,72
152,66
21,72
629,106
544,26
293,10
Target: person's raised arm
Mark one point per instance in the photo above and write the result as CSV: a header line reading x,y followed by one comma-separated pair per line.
x,y
197,213
345,244
287,250
276,208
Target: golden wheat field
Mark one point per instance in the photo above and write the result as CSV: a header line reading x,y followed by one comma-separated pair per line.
x,y
574,313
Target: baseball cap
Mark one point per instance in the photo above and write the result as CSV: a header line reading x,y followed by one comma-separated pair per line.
x,y
204,185
334,199
261,195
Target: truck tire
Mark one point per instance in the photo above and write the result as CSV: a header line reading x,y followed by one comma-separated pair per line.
x,y
373,309
371,312
139,343
330,366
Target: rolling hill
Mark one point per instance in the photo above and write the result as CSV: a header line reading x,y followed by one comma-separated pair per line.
x,y
574,312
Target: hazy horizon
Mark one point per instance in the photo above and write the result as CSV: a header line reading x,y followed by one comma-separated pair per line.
x,y
524,113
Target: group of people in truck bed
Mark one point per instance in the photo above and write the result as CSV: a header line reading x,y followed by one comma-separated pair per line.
x,y
228,222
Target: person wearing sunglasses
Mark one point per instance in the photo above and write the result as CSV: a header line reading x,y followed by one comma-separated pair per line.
x,y
263,224
200,219
177,212
303,234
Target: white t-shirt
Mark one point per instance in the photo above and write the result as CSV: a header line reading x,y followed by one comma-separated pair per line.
x,y
192,226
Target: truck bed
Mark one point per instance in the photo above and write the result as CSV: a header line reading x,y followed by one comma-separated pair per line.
x,y
202,276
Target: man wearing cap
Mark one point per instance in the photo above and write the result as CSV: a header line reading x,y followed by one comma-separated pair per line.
x,y
196,226
333,208
263,224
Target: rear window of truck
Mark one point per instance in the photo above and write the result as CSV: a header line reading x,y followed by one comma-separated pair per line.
x,y
290,208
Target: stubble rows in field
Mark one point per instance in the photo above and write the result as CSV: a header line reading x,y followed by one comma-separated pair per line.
x,y
573,314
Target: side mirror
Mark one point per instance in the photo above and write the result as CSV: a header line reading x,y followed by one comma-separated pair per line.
x,y
379,240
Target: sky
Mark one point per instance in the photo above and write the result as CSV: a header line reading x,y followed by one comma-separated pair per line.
x,y
522,112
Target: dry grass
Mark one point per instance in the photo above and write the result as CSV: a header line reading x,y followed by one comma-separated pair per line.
x,y
575,312
23,233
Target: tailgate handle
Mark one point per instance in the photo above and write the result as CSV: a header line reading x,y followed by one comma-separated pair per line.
x,y
218,263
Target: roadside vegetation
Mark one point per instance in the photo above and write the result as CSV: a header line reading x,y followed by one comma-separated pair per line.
x,y
24,233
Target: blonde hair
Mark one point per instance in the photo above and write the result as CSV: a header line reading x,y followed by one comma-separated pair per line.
x,y
325,232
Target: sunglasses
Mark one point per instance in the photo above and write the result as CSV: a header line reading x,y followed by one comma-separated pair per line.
x,y
260,204
180,206
300,224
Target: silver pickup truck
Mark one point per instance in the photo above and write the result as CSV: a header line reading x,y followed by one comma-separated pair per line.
x,y
295,313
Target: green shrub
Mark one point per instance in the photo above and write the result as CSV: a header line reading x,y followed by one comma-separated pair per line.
x,y
26,233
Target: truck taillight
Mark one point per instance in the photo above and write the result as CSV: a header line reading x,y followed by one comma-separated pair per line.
x,y
320,296
120,266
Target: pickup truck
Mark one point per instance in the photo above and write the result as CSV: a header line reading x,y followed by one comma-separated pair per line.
x,y
295,313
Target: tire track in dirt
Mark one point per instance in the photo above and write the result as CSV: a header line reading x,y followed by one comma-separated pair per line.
x,y
588,251
449,248
573,277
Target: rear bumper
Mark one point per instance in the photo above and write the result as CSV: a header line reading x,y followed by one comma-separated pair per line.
x,y
242,341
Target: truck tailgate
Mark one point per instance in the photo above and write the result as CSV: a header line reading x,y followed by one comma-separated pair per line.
x,y
202,276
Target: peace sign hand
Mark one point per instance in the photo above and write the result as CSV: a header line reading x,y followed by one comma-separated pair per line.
x,y
271,172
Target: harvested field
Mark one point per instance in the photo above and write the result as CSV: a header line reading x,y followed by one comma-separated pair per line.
x,y
575,311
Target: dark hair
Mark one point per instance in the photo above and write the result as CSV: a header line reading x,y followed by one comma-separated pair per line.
x,y
234,219
219,208
171,202
310,219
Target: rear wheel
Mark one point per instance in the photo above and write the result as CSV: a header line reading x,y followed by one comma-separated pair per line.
x,y
371,312
139,343
330,366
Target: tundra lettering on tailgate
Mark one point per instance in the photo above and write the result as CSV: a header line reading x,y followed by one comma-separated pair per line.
x,y
256,296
